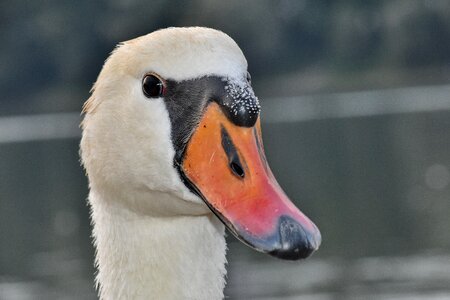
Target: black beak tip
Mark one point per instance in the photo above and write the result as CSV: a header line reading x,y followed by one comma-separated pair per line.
x,y
294,242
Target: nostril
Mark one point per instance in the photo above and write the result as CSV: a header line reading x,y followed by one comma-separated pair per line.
x,y
237,168
232,154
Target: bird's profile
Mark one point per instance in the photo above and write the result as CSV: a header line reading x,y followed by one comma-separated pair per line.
x,y
173,151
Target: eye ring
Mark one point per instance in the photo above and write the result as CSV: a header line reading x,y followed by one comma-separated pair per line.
x,y
152,86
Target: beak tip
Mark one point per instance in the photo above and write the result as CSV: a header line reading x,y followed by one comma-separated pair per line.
x,y
292,254
294,241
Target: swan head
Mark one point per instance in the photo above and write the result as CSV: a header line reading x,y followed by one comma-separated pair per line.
x,y
173,113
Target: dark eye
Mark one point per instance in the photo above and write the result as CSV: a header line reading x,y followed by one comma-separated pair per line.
x,y
152,86
249,78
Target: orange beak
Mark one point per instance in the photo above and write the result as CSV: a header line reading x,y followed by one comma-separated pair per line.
x,y
225,164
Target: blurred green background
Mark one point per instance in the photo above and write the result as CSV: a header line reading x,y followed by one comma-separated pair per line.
x,y
356,125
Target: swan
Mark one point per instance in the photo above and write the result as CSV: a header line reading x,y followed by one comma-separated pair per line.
x,y
172,148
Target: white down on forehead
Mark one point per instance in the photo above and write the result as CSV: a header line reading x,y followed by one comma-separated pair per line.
x,y
181,54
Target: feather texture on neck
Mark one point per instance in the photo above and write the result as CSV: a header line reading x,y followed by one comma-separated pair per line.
x,y
146,257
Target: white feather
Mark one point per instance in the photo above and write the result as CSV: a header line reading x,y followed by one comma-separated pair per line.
x,y
154,238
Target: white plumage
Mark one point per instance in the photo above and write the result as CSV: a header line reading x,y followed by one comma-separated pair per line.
x,y
154,238
145,149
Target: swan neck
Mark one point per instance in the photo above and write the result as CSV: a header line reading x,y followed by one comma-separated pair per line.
x,y
147,257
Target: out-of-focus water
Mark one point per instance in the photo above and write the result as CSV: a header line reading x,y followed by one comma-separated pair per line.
x,y
420,276
425,276
375,180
